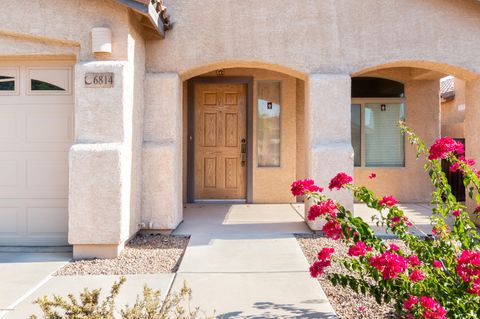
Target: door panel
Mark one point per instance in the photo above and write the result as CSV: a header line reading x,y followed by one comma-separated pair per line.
x,y
220,130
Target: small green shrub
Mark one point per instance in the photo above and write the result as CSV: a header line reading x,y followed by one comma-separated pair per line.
x,y
147,306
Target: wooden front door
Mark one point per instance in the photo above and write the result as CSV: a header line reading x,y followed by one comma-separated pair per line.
x,y
220,141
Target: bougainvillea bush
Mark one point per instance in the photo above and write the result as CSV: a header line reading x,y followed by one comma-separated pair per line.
x,y
436,277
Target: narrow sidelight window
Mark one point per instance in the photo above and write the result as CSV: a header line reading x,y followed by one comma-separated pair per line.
x,y
268,124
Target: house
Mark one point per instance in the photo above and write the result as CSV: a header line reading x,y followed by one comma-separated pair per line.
x,y
114,113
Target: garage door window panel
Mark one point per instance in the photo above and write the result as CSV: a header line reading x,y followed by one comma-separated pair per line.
x,y
8,81
49,81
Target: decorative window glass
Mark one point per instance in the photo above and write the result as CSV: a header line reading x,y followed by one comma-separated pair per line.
x,y
8,81
49,80
268,124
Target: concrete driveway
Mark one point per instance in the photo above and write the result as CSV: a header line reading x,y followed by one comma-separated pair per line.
x,y
21,273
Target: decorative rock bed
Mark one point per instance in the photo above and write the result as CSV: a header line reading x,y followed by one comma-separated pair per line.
x,y
347,303
147,254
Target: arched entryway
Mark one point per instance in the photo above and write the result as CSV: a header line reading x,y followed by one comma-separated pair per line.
x,y
427,114
243,133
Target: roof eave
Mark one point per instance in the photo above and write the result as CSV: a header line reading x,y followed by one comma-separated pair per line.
x,y
149,12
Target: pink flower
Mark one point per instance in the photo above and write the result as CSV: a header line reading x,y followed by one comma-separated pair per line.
x,y
433,310
300,187
461,160
468,265
417,275
325,253
388,201
395,220
332,229
359,249
475,287
394,247
414,261
389,264
372,175
454,167
456,213
477,210
437,264
339,180
324,261
444,146
322,208
410,302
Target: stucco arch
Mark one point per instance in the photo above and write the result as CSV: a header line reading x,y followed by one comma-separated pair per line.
x,y
241,64
443,68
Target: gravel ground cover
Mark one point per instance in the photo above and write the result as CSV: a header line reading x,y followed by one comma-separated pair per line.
x,y
142,255
347,304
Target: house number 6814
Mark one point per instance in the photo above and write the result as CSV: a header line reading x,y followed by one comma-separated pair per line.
x,y
99,80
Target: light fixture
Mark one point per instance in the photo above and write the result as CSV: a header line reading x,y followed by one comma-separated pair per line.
x,y
101,40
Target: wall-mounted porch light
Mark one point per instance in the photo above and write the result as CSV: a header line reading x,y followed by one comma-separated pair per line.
x,y
101,40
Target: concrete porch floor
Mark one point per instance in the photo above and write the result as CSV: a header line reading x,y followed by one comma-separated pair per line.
x,y
418,213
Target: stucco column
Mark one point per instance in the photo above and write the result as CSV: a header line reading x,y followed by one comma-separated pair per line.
x,y
100,163
162,207
423,117
472,120
328,133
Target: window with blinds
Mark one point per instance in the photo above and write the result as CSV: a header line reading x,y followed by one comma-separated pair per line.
x,y
377,106
384,145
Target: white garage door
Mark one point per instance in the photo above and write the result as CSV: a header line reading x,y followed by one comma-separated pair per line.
x,y
36,132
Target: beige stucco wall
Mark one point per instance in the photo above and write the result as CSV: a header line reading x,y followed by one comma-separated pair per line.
x,y
472,137
317,36
162,152
453,112
300,132
61,27
136,53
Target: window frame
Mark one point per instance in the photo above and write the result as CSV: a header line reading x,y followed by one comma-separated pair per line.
x,y
362,101
29,78
257,98
15,74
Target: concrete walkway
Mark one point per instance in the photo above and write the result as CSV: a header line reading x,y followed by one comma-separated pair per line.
x,y
21,273
244,262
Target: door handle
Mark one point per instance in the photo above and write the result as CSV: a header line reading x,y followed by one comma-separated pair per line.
x,y
243,151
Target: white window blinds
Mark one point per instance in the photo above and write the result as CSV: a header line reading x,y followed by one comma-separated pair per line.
x,y
384,145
